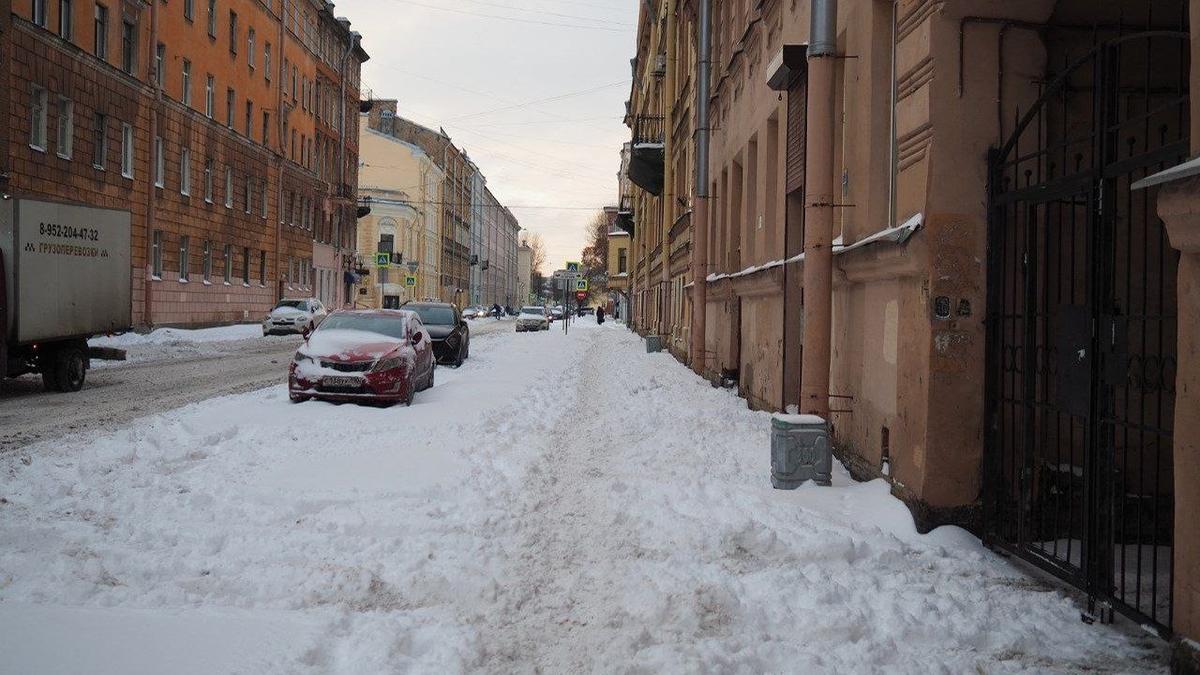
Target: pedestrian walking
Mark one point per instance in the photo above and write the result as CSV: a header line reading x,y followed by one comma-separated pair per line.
x,y
599,315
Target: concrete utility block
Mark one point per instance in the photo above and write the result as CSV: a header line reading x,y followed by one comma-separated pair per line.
x,y
653,344
800,451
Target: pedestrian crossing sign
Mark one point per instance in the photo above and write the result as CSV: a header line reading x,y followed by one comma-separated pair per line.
x,y
581,284
410,281
383,259
572,267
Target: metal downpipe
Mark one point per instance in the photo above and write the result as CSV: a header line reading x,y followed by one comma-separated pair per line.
x,y
818,210
700,208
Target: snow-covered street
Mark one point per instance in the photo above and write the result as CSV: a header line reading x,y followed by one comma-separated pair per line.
x,y
548,507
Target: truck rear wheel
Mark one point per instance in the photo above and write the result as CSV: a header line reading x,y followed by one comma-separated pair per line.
x,y
67,371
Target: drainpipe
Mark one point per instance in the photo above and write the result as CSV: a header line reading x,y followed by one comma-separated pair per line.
x,y
700,208
277,159
151,206
892,152
668,205
819,208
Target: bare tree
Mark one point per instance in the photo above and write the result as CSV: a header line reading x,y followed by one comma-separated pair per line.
x,y
537,261
595,253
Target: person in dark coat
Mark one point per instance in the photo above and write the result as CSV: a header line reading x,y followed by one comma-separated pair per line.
x,y
599,315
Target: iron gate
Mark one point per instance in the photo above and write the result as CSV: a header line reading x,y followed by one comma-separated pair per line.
x,y
1082,326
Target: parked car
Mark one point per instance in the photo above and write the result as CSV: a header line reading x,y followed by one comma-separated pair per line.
x,y
556,313
295,315
587,311
532,317
380,356
450,334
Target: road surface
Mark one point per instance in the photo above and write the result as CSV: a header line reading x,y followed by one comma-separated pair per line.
x,y
115,395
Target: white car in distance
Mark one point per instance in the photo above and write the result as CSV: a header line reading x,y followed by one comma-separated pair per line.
x,y
294,315
532,317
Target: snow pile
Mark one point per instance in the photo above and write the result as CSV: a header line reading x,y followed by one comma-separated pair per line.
x,y
174,343
561,502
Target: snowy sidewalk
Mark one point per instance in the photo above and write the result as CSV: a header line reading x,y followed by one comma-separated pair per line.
x,y
513,520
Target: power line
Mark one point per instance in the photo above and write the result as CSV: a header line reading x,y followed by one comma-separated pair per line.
x,y
542,100
513,19
548,13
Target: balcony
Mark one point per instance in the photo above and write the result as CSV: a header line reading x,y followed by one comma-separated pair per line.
x,y
624,220
646,157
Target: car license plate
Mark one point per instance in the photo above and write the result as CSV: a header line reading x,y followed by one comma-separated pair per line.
x,y
341,382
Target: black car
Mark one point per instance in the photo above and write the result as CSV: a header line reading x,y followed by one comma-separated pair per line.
x,y
449,332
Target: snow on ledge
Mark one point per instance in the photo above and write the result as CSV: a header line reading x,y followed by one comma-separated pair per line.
x,y
807,420
897,235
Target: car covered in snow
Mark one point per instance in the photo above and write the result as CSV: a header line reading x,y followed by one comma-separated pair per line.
x,y
383,356
294,315
532,317
450,334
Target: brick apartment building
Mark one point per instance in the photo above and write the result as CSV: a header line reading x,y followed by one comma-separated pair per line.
x,y
967,233
225,128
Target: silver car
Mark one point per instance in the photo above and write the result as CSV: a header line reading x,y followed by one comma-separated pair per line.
x,y
532,318
294,315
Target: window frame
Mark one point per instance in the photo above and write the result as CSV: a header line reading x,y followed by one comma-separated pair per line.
x,y
65,127
186,83
156,255
99,140
39,101
66,20
100,31
212,19
40,13
229,187
129,47
210,95
127,153
233,34
206,262
228,252
160,162
185,242
185,171
208,180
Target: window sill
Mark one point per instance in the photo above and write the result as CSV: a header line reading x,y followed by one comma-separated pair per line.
x,y
206,282
62,156
183,281
155,277
37,148
228,284
98,167
245,285
128,176
157,185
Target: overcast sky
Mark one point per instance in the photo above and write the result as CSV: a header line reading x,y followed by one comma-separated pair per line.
x,y
485,70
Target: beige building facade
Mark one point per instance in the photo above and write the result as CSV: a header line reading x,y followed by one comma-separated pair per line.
x,y
969,234
402,186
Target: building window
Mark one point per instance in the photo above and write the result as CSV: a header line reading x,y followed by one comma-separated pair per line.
x,y
66,127
100,42
99,140
622,261
249,193
210,95
127,150
37,118
228,264
267,61
156,252
212,18
262,268
185,172
291,273
229,187
266,131
245,266
129,48
187,82
250,39
249,116
64,19
39,12
184,258
208,181
189,9
160,60
262,209
206,264
233,38
160,163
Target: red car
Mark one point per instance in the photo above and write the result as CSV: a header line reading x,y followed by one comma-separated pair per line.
x,y
382,356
